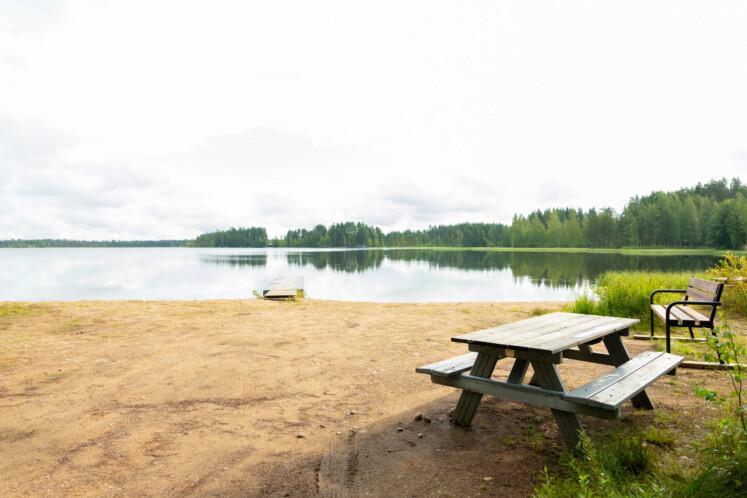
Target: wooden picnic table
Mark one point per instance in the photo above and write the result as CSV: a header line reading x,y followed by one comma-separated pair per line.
x,y
543,342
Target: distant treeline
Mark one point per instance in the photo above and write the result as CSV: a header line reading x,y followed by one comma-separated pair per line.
x,y
235,237
21,243
707,215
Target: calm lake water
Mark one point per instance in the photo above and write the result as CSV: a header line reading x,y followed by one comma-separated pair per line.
x,y
404,275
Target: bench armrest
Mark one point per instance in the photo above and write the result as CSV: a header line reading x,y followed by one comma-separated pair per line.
x,y
670,291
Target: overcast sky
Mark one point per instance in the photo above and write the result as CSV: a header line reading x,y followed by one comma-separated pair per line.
x,y
164,119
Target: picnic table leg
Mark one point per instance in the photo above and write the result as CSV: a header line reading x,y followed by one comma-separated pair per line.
x,y
547,376
468,401
518,371
620,355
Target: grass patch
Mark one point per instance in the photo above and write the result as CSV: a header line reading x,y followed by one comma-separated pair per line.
x,y
622,466
627,294
632,251
16,310
538,311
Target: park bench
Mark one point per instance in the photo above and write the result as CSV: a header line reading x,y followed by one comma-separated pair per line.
x,y
543,342
680,313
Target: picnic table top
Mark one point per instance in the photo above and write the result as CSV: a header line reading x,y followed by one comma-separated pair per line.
x,y
551,333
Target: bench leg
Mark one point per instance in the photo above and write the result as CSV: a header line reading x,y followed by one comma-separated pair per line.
x,y
652,321
548,378
620,355
468,401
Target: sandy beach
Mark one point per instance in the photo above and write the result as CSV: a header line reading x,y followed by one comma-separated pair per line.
x,y
247,397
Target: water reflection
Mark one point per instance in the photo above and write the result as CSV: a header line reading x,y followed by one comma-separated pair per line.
x,y
396,275
550,269
250,260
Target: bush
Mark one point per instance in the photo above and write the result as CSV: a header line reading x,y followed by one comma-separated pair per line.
x,y
734,269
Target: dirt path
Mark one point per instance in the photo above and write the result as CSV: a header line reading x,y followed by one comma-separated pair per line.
x,y
238,398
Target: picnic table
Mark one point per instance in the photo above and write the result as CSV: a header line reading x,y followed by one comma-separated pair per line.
x,y
544,342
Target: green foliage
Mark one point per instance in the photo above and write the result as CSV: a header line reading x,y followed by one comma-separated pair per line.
x,y
734,269
627,294
725,455
40,243
621,467
235,237
348,234
725,347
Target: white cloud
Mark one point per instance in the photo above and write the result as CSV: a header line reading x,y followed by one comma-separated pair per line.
x,y
166,118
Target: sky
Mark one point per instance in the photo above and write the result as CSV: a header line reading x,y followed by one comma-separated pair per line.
x,y
165,119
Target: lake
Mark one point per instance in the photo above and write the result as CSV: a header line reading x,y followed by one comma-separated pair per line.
x,y
394,275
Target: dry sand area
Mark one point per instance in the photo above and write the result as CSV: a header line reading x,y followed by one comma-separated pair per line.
x,y
246,398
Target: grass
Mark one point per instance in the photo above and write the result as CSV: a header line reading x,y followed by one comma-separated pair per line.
x,y
645,464
628,293
632,251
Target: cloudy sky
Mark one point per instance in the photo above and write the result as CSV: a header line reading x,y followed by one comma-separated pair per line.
x,y
163,119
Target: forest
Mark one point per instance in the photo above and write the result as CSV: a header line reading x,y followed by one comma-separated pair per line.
x,y
712,214
707,215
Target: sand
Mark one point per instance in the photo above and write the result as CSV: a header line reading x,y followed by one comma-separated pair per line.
x,y
245,398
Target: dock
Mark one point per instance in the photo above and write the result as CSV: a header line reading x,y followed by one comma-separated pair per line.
x,y
284,288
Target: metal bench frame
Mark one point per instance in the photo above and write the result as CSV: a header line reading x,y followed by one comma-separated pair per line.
x,y
695,289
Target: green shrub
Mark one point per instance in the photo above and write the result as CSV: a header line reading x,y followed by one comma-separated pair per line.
x,y
620,467
734,269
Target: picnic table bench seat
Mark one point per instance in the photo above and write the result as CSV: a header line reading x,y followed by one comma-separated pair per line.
x,y
608,392
450,367
613,389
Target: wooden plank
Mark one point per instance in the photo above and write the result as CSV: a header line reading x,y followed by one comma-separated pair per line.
x,y
613,389
283,287
679,316
518,371
620,372
469,400
704,285
602,359
565,329
646,337
710,365
694,314
617,350
699,295
569,340
517,329
522,393
449,367
682,315
560,322
548,378
518,353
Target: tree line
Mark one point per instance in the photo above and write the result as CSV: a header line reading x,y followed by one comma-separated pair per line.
x,y
713,214
41,243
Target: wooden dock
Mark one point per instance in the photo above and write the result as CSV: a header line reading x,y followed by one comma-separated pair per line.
x,y
284,288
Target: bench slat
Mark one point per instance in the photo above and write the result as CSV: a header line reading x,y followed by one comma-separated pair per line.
x,y
450,367
695,315
627,380
704,285
683,315
699,295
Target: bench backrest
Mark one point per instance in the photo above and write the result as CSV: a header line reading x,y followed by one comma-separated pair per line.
x,y
704,290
